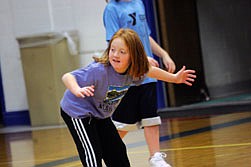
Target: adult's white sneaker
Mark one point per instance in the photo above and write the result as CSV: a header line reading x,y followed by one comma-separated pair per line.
x,y
158,160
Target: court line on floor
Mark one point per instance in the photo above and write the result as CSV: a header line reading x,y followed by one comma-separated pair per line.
x,y
197,147
193,132
209,146
205,129
59,162
163,138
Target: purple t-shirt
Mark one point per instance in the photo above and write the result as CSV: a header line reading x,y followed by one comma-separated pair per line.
x,y
110,87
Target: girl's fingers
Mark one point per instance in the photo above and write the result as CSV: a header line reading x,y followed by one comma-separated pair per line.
x,y
188,83
80,94
190,79
190,71
88,91
191,76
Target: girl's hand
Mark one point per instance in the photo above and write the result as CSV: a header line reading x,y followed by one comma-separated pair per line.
x,y
185,76
85,91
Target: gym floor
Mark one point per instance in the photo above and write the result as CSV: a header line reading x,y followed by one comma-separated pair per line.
x,y
208,141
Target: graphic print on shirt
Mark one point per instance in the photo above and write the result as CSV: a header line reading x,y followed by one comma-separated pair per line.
x,y
133,16
113,97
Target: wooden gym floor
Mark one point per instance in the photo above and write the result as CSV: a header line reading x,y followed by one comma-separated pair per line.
x,y
204,141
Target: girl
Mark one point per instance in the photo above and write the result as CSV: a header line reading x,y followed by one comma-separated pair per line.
x,y
94,92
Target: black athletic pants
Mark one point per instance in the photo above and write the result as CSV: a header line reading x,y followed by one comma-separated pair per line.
x,y
97,139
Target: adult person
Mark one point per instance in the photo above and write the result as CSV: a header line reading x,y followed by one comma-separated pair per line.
x,y
139,107
94,92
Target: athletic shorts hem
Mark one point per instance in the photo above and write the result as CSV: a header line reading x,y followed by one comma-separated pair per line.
x,y
138,125
126,127
150,121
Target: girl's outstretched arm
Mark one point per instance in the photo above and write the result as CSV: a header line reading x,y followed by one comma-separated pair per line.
x,y
70,82
182,76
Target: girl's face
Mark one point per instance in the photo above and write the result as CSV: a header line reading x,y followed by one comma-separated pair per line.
x,y
119,56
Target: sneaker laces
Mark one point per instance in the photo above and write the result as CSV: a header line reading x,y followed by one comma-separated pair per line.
x,y
163,155
159,156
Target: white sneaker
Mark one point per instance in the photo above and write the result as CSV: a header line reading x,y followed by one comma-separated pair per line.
x,y
157,160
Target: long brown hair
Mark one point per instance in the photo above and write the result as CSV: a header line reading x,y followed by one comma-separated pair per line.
x,y
139,63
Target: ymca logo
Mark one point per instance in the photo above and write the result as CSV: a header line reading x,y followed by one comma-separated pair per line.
x,y
133,16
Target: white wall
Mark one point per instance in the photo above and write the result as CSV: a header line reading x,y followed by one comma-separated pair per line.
x,y
28,17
